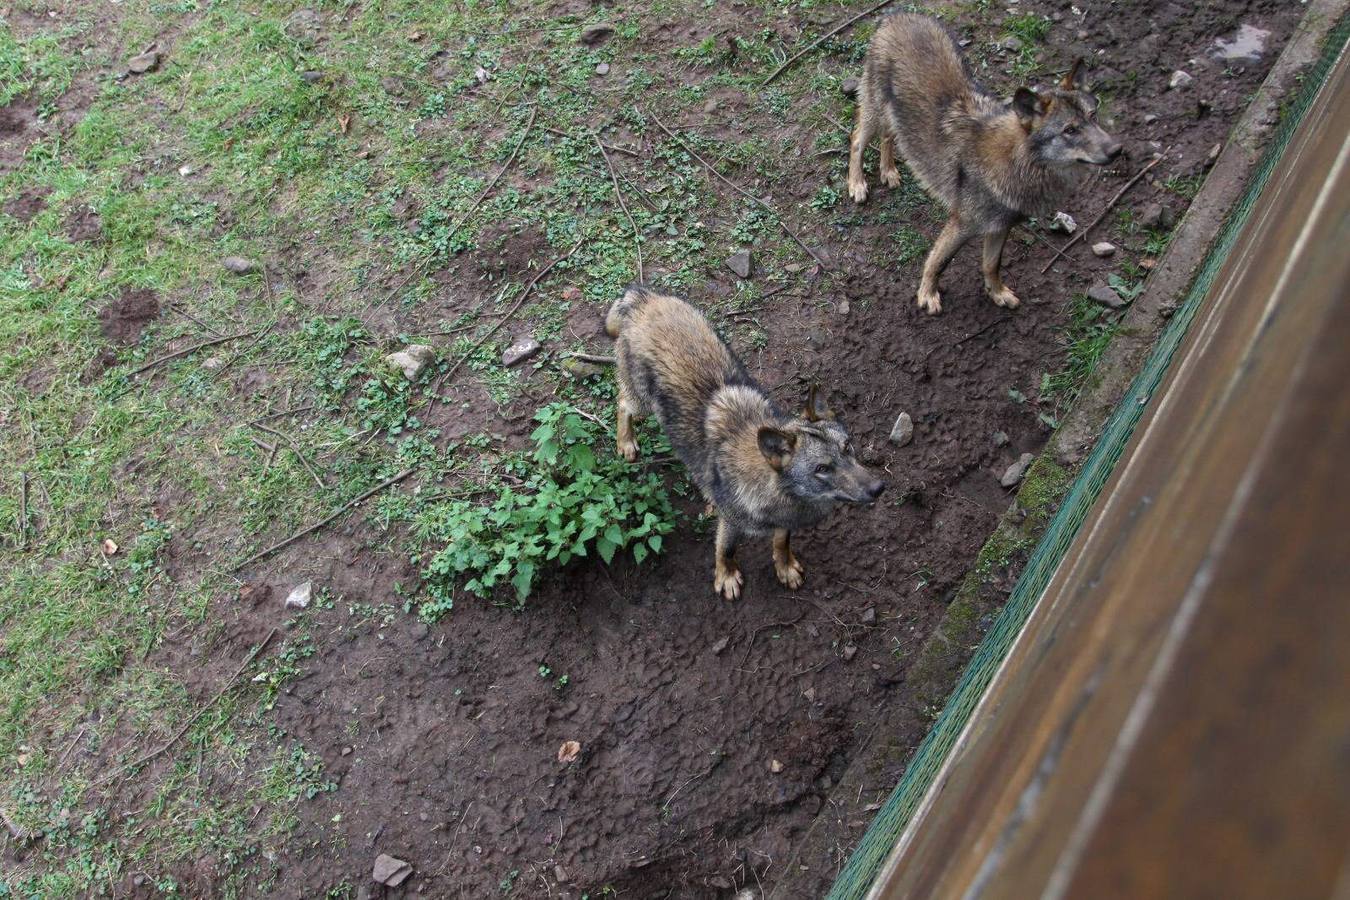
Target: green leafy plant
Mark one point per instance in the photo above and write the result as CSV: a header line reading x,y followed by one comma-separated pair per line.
x,y
569,503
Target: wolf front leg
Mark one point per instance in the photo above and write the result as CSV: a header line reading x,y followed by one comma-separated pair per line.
x,y
787,567
628,409
953,235
862,136
990,264
890,173
727,578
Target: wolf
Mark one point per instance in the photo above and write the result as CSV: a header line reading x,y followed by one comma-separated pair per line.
x,y
992,164
762,470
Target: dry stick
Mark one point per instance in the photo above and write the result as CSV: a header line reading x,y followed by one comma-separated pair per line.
x,y
436,390
750,645
593,358
637,235
740,190
23,510
197,715
1097,221
317,525
193,349
822,39
464,217
296,448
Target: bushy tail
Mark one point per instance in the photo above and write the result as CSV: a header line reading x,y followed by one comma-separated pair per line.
x,y
624,307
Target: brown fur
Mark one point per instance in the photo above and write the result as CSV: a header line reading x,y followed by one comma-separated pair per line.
x,y
762,471
992,164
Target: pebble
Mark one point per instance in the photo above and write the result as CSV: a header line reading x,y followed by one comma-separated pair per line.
x,y
594,34
849,87
521,349
186,170
903,430
311,76
238,265
1180,79
740,263
1063,222
298,598
850,651
1213,156
304,26
602,69
480,75
1150,118
869,615
775,766
1106,296
1155,215
1000,438
560,874
1015,472
1012,44
390,871
720,645
143,62
411,360
710,107
1103,249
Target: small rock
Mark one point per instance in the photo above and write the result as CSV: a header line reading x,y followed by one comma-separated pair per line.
x,y
143,62
1106,296
602,69
311,76
391,85
569,751
902,432
720,644
390,871
1180,79
346,751
810,694
522,349
304,26
212,363
1213,156
560,874
869,615
1012,44
1063,222
775,766
740,263
1150,118
580,369
1103,249
186,170
1155,215
411,360
298,598
710,107
850,651
109,547
594,34
849,87
238,265
480,75
1014,473
1000,438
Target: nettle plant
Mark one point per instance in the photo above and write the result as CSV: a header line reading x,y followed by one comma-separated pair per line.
x,y
569,503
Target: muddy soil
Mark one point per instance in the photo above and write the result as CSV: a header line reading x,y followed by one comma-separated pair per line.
x,y
711,733
125,318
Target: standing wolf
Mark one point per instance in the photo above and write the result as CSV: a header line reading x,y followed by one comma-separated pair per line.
x,y
992,164
763,470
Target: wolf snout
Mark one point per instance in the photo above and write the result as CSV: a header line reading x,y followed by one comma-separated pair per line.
x,y
1112,150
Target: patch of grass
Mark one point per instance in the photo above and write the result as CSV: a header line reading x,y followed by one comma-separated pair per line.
x,y
1186,186
1089,332
910,245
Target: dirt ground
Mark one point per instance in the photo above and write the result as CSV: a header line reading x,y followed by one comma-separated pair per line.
x,y
711,733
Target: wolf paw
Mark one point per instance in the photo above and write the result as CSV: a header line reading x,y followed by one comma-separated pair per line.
x,y
628,450
890,177
792,574
858,191
1005,298
930,301
728,581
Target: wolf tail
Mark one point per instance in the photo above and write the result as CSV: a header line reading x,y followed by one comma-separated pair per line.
x,y
624,307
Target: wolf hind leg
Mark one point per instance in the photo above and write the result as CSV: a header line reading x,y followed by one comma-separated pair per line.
x,y
953,235
890,173
990,264
727,577
863,131
786,566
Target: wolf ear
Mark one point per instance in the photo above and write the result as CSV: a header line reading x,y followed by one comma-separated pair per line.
x,y
1076,78
1027,105
815,407
776,445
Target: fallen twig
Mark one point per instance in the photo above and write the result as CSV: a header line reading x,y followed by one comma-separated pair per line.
x,y
1110,206
436,390
822,39
195,716
193,349
295,447
592,358
637,235
20,833
23,510
740,190
322,522
750,644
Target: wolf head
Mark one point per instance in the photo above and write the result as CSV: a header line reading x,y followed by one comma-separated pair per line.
x,y
1061,123
814,457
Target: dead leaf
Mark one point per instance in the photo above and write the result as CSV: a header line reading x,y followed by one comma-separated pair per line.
x,y
568,751
109,547
414,36
344,122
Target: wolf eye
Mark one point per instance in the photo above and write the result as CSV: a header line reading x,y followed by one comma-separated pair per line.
x,y
824,469
1070,130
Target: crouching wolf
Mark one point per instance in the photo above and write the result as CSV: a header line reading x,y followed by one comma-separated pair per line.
x,y
763,470
992,164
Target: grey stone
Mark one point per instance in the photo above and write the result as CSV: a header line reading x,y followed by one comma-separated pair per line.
x,y
849,87
1180,79
1000,439
1213,156
1015,472
299,596
580,369
903,430
304,26
1155,215
850,651
521,349
594,34
389,870
411,360
143,62
720,645
1150,118
1103,249
1013,44
481,75
311,76
869,615
560,874
602,69
1063,222
740,263
1106,296
238,265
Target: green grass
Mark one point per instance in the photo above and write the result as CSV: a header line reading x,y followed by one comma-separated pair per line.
x,y
1087,335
